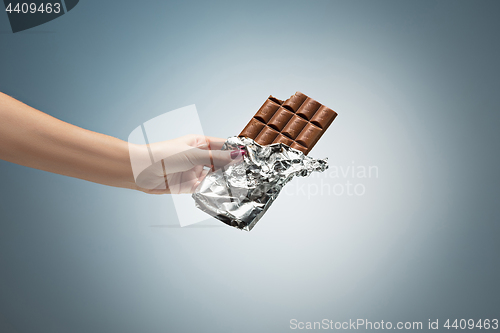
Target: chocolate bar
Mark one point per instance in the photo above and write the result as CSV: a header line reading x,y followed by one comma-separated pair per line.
x,y
299,122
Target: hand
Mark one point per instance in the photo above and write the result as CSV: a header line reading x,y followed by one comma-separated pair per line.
x,y
178,165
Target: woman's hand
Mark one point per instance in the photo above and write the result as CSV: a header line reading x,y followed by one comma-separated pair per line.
x,y
178,165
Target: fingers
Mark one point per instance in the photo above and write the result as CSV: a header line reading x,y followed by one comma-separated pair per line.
x,y
215,143
202,176
216,158
186,182
178,183
204,142
182,161
190,179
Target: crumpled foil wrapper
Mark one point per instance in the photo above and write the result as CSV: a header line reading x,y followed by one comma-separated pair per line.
x,y
240,194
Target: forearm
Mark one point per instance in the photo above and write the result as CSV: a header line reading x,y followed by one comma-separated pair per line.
x,y
34,139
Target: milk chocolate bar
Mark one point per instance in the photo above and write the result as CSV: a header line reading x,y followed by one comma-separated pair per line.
x,y
299,122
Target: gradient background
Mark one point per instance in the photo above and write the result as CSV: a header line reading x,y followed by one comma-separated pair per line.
x,y
416,85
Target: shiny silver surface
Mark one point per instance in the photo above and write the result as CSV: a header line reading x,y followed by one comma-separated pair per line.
x,y
239,194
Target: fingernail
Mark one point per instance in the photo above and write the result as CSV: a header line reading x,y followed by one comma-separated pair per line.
x,y
236,153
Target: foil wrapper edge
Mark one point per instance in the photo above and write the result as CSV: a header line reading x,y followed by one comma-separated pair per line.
x,y
240,194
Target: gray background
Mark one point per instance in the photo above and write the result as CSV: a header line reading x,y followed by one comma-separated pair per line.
x,y
416,87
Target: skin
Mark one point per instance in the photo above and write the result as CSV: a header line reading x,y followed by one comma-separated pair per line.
x,y
37,140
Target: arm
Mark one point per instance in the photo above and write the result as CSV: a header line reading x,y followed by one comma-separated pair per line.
x,y
34,139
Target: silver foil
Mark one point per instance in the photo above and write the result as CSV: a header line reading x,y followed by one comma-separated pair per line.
x,y
240,194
